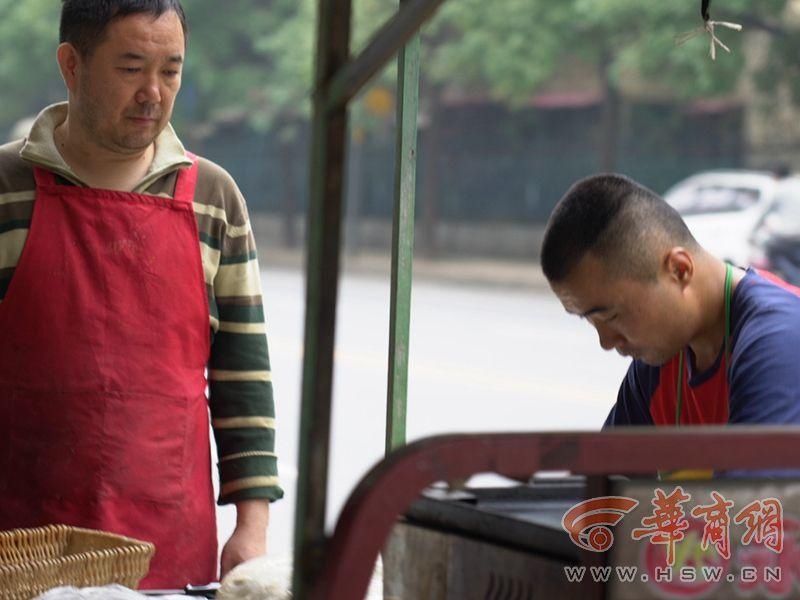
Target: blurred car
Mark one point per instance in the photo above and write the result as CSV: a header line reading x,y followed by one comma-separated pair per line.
x,y
723,208
775,242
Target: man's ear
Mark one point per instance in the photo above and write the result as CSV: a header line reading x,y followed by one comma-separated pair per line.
x,y
69,61
679,265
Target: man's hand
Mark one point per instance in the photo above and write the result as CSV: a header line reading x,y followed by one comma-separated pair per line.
x,y
249,539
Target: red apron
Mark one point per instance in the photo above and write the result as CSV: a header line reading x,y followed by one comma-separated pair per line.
x,y
104,339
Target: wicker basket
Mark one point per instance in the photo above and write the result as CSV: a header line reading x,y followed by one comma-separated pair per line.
x,y
33,561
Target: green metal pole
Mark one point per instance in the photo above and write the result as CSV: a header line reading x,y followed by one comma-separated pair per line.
x,y
386,42
334,71
322,277
402,241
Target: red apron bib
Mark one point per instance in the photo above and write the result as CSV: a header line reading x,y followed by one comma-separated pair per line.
x,y
104,339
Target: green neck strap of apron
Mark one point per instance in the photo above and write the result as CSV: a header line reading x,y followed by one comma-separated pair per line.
x,y
728,293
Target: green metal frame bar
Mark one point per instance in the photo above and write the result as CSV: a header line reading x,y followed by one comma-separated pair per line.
x,y
328,154
384,45
402,242
336,81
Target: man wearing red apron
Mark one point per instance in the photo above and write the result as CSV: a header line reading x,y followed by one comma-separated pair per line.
x,y
105,323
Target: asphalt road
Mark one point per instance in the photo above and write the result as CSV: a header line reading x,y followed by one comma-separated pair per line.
x,y
482,358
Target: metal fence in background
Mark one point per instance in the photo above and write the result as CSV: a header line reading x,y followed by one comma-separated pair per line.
x,y
487,163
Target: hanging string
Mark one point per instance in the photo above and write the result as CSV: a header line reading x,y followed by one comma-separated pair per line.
x,y
709,27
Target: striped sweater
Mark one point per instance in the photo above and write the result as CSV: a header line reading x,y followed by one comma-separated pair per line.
x,y
240,388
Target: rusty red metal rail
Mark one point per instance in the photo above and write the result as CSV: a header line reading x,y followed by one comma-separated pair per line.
x,y
393,484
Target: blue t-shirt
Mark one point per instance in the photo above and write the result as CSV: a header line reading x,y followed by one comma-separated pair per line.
x,y
762,383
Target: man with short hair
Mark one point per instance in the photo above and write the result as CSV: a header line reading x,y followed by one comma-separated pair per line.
x,y
127,269
710,343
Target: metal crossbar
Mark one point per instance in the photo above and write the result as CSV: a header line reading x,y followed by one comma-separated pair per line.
x,y
391,486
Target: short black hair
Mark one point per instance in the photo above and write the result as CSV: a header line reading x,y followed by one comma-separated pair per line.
x,y
619,220
84,22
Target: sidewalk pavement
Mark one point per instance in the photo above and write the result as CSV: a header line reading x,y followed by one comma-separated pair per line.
x,y
464,271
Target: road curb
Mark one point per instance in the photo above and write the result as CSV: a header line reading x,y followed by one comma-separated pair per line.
x,y
467,271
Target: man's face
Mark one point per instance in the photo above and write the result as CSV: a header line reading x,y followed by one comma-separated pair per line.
x,y
646,320
125,90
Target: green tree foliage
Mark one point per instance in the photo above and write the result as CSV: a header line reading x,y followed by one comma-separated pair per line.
x,y
257,59
29,77
261,62
254,58
510,53
513,50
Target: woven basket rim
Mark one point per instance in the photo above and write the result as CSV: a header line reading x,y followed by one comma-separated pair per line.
x,y
23,535
135,554
8,568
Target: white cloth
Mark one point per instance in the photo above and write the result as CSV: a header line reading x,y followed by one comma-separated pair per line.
x,y
263,578
108,592
270,578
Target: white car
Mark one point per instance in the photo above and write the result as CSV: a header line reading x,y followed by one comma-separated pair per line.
x,y
722,208
775,243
